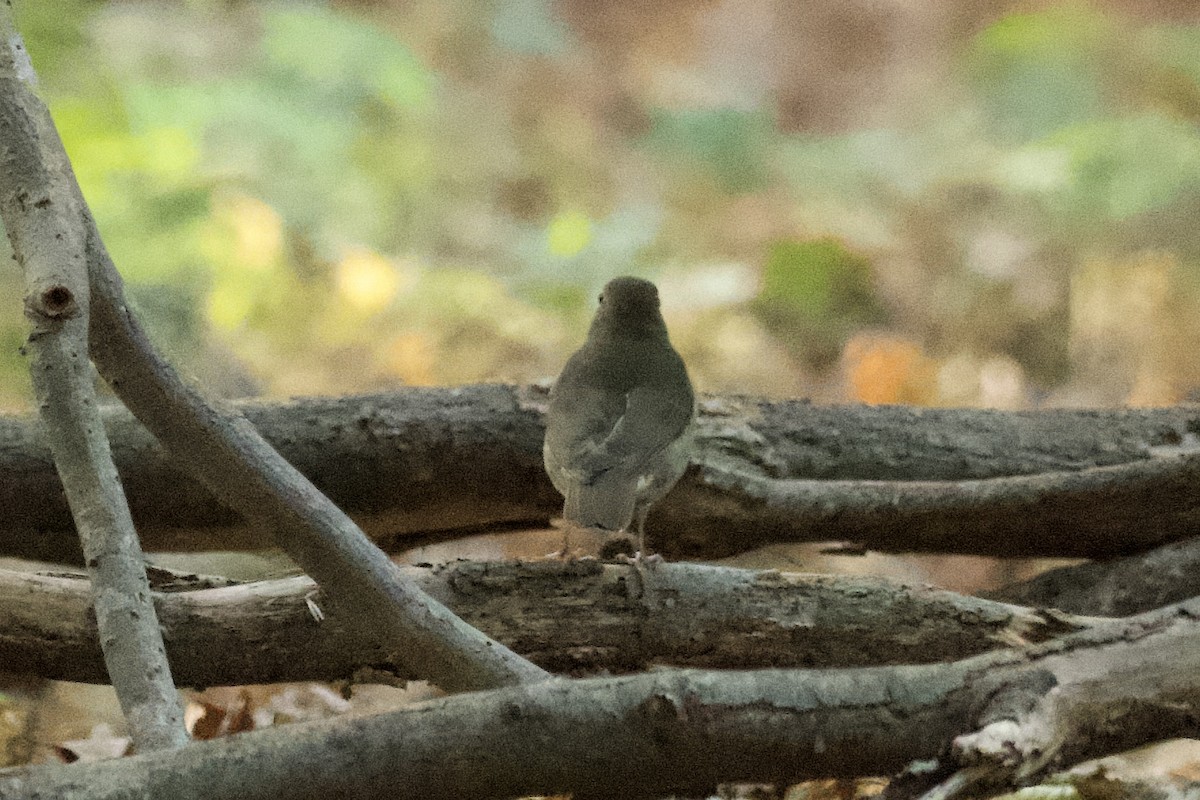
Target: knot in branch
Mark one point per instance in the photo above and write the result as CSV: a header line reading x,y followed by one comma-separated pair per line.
x,y
53,302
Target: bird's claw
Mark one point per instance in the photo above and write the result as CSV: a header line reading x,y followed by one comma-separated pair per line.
x,y
643,567
638,560
565,554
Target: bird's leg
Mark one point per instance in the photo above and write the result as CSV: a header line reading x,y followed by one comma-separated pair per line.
x,y
566,548
636,559
642,566
641,528
563,552
640,556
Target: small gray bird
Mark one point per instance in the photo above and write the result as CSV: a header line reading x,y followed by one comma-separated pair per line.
x,y
618,429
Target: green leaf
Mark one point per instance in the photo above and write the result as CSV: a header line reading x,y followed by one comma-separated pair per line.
x,y
812,277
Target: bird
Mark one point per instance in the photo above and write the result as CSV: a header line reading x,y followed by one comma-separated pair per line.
x,y
619,423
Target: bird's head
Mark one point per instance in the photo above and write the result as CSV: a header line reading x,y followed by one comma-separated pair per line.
x,y
628,306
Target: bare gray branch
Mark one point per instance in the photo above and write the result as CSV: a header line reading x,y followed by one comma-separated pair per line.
x,y
43,225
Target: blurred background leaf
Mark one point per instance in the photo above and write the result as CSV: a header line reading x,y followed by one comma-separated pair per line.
x,y
942,203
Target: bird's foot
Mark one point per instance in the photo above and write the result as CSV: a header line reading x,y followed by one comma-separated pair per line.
x,y
643,568
638,560
565,554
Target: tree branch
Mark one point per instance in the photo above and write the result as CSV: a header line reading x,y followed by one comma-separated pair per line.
x,y
418,461
224,453
42,223
1102,694
684,731
1115,588
575,618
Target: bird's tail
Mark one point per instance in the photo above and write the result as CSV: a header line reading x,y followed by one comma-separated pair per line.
x,y
608,503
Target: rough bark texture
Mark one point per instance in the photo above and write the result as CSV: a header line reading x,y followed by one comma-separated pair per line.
x,y
1104,694
1117,587
682,732
576,618
47,239
421,461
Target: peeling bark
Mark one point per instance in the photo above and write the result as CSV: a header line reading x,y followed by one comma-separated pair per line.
x,y
435,462
1105,693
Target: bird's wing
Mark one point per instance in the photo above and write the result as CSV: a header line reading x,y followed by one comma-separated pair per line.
x,y
579,420
655,415
606,469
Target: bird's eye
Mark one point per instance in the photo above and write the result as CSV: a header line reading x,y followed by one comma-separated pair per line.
x,y
600,298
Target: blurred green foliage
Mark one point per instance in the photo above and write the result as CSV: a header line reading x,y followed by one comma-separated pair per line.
x,y
814,295
1036,73
728,145
332,197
